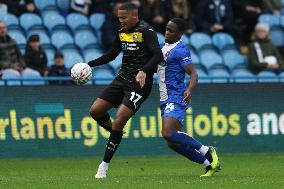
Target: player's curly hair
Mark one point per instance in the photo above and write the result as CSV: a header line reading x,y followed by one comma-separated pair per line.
x,y
181,23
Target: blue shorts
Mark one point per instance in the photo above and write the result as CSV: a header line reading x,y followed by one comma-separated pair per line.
x,y
174,110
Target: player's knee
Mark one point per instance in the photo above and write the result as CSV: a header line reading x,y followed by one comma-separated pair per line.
x,y
166,134
93,113
172,145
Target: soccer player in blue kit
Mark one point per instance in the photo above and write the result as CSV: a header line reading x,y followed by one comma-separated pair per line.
x,y
175,99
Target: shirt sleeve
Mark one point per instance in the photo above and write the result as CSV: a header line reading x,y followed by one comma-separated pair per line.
x,y
185,58
152,44
109,55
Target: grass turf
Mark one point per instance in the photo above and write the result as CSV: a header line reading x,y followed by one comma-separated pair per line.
x,y
239,171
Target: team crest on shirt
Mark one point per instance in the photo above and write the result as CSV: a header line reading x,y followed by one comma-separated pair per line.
x,y
135,37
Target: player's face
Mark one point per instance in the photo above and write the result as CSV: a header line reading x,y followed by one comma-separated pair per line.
x,y
127,19
172,33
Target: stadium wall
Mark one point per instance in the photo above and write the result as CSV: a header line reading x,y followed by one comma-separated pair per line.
x,y
54,121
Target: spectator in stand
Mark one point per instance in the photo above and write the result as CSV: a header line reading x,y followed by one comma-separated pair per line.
x,y
152,12
3,8
10,55
102,6
110,27
272,6
58,69
19,7
263,55
181,9
216,16
35,56
247,12
81,6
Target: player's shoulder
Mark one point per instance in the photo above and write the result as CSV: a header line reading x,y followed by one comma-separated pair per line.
x,y
145,27
182,49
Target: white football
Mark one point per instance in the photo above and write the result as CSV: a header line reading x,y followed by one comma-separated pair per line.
x,y
81,73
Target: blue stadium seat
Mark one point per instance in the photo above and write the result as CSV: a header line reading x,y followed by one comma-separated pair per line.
x,y
50,55
45,4
221,40
97,20
194,57
44,38
269,19
85,38
64,5
161,39
102,76
232,58
198,39
91,54
18,36
53,20
202,76
32,77
210,59
267,77
282,20
76,21
281,77
60,39
71,57
29,21
10,20
2,83
12,76
219,75
277,36
243,76
185,40
116,64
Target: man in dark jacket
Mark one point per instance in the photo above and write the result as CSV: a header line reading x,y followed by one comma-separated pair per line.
x,y
10,55
213,16
35,56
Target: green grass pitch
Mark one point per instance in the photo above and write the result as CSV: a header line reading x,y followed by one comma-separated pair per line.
x,y
246,171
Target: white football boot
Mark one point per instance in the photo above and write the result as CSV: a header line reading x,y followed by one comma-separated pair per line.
x,y
102,171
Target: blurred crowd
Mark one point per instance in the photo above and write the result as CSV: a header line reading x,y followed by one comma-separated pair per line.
x,y
236,17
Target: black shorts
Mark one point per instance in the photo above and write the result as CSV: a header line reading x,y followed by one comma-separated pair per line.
x,y
121,91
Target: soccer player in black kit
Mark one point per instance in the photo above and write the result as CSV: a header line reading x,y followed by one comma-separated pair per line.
x,y
132,85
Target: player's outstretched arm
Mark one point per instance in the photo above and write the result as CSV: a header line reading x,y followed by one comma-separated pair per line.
x,y
108,56
190,69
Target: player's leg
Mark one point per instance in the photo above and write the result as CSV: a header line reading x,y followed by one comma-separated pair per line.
x,y
99,112
174,113
109,98
122,116
170,127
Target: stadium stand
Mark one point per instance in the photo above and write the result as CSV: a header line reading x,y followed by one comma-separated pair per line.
x,y
78,37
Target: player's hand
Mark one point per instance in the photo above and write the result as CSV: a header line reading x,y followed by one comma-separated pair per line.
x,y
140,78
187,96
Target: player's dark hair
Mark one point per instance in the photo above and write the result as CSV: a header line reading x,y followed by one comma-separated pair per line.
x,y
128,6
181,23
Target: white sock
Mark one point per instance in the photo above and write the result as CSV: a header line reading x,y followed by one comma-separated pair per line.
x,y
203,150
206,162
104,165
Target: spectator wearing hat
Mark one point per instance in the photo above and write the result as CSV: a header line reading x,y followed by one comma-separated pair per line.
x,y
58,69
263,55
35,56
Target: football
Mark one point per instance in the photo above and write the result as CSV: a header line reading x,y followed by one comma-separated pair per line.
x,y
81,73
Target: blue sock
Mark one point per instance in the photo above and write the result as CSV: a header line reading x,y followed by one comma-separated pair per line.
x,y
184,139
190,153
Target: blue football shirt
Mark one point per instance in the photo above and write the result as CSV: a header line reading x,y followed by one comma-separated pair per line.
x,y
171,73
